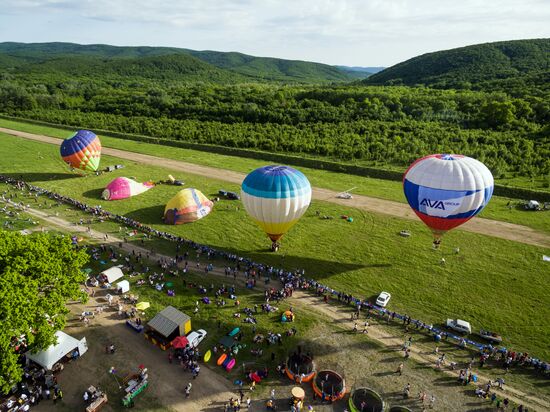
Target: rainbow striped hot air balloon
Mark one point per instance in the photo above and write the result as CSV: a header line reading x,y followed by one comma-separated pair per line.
x,y
187,206
82,151
122,188
276,197
447,190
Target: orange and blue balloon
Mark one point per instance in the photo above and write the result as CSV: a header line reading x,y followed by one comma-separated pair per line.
x,y
276,197
82,151
447,190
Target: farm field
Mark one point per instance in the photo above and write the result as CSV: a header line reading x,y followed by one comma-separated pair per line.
x,y
497,209
493,283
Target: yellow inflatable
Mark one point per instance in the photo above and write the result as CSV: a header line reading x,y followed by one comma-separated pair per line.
x,y
187,206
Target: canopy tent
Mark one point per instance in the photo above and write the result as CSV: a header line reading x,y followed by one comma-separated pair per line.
x,y
123,286
54,353
227,341
112,274
170,320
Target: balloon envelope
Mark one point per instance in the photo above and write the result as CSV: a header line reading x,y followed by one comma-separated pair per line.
x,y
187,206
276,197
82,151
123,187
447,190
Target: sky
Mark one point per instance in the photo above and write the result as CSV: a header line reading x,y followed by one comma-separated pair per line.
x,y
344,32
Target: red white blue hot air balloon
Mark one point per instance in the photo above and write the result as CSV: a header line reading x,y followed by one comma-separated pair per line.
x,y
82,151
447,190
276,197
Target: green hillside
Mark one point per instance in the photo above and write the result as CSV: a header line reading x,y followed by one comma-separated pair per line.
x,y
245,67
471,65
169,67
271,68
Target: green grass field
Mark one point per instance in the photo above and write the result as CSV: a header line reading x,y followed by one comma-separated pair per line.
x,y
385,189
493,283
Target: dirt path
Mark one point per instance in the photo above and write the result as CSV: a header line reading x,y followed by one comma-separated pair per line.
x,y
503,230
172,393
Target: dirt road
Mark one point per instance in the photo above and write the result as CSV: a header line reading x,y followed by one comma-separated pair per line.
x,y
503,230
168,389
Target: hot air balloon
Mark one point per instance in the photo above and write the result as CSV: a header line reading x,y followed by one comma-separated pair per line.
x,y
82,151
447,190
122,188
276,197
187,206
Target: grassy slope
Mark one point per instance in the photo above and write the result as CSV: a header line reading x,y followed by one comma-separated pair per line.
x,y
493,283
384,189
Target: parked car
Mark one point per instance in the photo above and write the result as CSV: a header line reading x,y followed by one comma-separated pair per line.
x,y
196,337
383,299
229,195
459,325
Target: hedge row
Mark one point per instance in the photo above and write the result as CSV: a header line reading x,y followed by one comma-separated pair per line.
x,y
500,190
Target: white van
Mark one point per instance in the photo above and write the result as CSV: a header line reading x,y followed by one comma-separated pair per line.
x,y
459,325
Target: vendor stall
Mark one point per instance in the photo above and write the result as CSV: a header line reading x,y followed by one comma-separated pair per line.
x,y
166,326
134,384
66,347
96,398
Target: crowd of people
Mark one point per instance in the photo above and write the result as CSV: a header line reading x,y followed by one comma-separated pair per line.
x,y
290,280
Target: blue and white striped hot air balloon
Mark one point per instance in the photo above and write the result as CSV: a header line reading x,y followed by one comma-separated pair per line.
x,y
276,197
447,190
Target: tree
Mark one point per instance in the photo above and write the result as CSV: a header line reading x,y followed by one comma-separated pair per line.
x,y
38,275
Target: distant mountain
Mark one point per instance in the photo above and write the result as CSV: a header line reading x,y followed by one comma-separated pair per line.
x,y
270,68
469,65
360,72
238,66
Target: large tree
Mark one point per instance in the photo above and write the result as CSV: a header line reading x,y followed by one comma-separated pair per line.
x,y
38,275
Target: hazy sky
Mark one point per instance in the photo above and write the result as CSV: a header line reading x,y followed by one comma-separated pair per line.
x,y
347,32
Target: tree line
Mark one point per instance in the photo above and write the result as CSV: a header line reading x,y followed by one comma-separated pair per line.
x,y
370,124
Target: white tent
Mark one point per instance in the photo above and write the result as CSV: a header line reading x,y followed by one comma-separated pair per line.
x,y
123,286
54,353
112,274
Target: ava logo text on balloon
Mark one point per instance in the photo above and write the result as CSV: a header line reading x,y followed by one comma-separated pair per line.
x,y
437,204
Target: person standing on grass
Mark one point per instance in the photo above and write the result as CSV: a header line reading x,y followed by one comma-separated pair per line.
x,y
355,327
400,369
407,391
188,389
422,397
432,402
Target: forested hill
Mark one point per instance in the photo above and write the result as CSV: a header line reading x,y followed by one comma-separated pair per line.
x,y
472,66
230,66
180,67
